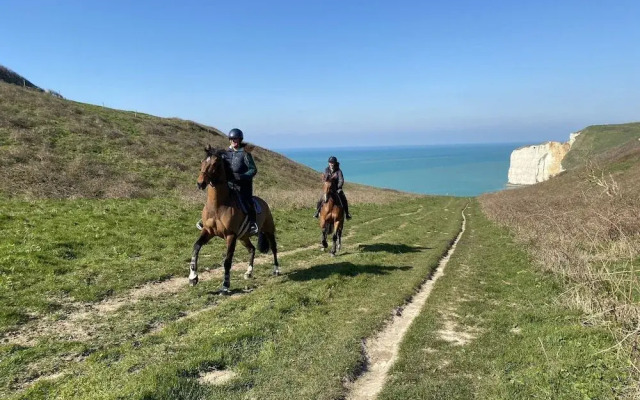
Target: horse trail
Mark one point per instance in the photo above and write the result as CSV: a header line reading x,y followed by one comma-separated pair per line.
x,y
80,324
381,351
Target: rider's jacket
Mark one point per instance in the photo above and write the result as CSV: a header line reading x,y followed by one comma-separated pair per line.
x,y
336,177
242,165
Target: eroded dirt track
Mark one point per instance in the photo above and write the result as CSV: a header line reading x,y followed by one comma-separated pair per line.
x,y
382,350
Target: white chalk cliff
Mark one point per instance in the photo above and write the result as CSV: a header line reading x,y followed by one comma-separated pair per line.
x,y
537,163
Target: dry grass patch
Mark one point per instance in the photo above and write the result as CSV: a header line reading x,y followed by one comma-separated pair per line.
x,y
585,227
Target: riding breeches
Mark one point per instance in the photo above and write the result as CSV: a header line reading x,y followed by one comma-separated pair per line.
x,y
245,194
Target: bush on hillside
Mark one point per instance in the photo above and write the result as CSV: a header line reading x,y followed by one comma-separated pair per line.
x,y
54,93
9,76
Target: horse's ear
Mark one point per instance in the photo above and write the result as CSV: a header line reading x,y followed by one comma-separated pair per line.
x,y
209,150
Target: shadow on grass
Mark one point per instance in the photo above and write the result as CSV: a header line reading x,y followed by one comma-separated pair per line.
x,y
232,292
391,248
322,271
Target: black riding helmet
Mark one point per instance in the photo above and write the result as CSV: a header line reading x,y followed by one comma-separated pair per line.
x,y
332,159
236,133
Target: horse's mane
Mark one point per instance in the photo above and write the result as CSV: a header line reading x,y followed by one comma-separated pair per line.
x,y
221,155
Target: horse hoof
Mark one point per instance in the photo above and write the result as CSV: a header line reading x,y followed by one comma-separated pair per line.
x,y
248,275
276,273
225,291
333,254
193,281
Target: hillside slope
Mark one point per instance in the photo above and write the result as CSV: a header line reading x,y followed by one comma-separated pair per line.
x,y
583,226
597,141
9,76
55,148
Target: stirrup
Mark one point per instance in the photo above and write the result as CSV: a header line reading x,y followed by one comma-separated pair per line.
x,y
348,216
199,225
253,228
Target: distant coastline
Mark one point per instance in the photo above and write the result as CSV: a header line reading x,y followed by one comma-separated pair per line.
x,y
466,169
284,150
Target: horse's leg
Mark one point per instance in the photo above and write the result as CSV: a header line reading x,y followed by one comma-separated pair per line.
x,y
334,238
228,259
325,230
193,268
340,228
274,249
252,253
339,233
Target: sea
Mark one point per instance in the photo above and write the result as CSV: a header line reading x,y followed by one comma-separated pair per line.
x,y
456,170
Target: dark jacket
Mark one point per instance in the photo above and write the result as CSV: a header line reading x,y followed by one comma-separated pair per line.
x,y
242,165
336,178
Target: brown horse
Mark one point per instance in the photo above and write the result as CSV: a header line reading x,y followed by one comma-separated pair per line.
x,y
331,218
223,217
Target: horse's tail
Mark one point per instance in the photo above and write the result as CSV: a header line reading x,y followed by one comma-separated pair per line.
x,y
263,243
267,230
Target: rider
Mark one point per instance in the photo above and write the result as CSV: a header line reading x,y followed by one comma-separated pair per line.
x,y
244,169
334,174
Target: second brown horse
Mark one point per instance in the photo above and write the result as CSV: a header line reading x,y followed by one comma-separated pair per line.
x,y
223,217
331,218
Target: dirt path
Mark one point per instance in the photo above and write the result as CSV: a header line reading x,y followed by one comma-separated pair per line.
x,y
382,350
80,324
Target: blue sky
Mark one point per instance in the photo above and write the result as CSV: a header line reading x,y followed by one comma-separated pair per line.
x,y
323,73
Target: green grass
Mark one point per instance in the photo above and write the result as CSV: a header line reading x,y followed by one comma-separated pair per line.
x,y
297,334
524,344
597,140
55,252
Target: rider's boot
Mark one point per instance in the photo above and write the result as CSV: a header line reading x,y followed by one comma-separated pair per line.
x,y
253,226
199,225
345,205
318,206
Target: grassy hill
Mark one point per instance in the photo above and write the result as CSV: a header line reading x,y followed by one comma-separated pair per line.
x,y
584,227
51,147
56,148
600,141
